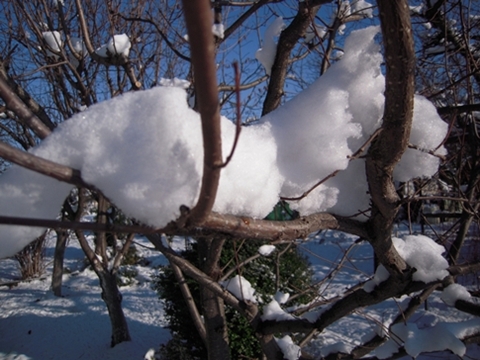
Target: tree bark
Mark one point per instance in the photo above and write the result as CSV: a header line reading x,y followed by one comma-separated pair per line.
x,y
209,251
57,273
389,146
113,299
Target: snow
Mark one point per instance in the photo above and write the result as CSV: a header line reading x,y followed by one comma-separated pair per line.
x,y
381,274
281,297
175,82
289,349
362,7
144,150
218,30
54,41
266,250
273,311
36,325
240,288
427,133
418,340
79,46
266,54
423,254
312,33
455,292
117,45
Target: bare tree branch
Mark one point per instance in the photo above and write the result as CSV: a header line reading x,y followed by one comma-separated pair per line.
x,y
288,39
199,20
14,103
42,166
389,146
192,308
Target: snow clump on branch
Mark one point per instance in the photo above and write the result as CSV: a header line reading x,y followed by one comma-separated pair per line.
x,y
144,150
266,54
117,45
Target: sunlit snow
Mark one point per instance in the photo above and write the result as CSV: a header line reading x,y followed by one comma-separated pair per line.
x,y
455,292
240,288
54,41
266,250
266,54
288,347
117,45
423,254
144,150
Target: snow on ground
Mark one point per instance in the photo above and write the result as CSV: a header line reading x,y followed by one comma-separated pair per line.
x,y
37,325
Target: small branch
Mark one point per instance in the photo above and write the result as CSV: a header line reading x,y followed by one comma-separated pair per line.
x,y
430,152
16,105
192,307
238,126
121,254
224,87
76,225
468,307
43,166
460,109
250,310
162,35
252,10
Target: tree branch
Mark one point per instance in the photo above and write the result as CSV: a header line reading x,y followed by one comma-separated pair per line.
x,y
192,307
14,103
199,20
287,41
42,166
389,146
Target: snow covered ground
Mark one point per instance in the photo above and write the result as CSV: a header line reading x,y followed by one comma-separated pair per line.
x,y
34,324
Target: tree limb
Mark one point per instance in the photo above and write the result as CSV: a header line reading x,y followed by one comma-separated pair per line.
x,y
42,166
14,103
389,146
199,20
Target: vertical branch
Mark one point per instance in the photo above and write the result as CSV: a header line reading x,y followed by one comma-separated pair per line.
x,y
192,307
199,20
390,144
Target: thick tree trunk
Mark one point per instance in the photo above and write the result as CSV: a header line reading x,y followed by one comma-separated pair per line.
x,y
113,299
209,251
216,326
57,273
110,293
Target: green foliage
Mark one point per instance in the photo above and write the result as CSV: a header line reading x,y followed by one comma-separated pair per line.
x,y
131,257
294,273
126,275
281,212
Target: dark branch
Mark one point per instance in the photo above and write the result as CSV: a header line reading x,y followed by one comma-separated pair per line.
x,y
199,20
15,104
42,166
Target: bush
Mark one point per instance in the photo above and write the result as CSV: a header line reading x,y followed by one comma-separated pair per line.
x,y
294,273
30,258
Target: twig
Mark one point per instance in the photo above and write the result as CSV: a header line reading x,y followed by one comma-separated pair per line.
x,y
238,126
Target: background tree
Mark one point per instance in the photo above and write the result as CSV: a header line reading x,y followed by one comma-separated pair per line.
x,y
72,64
